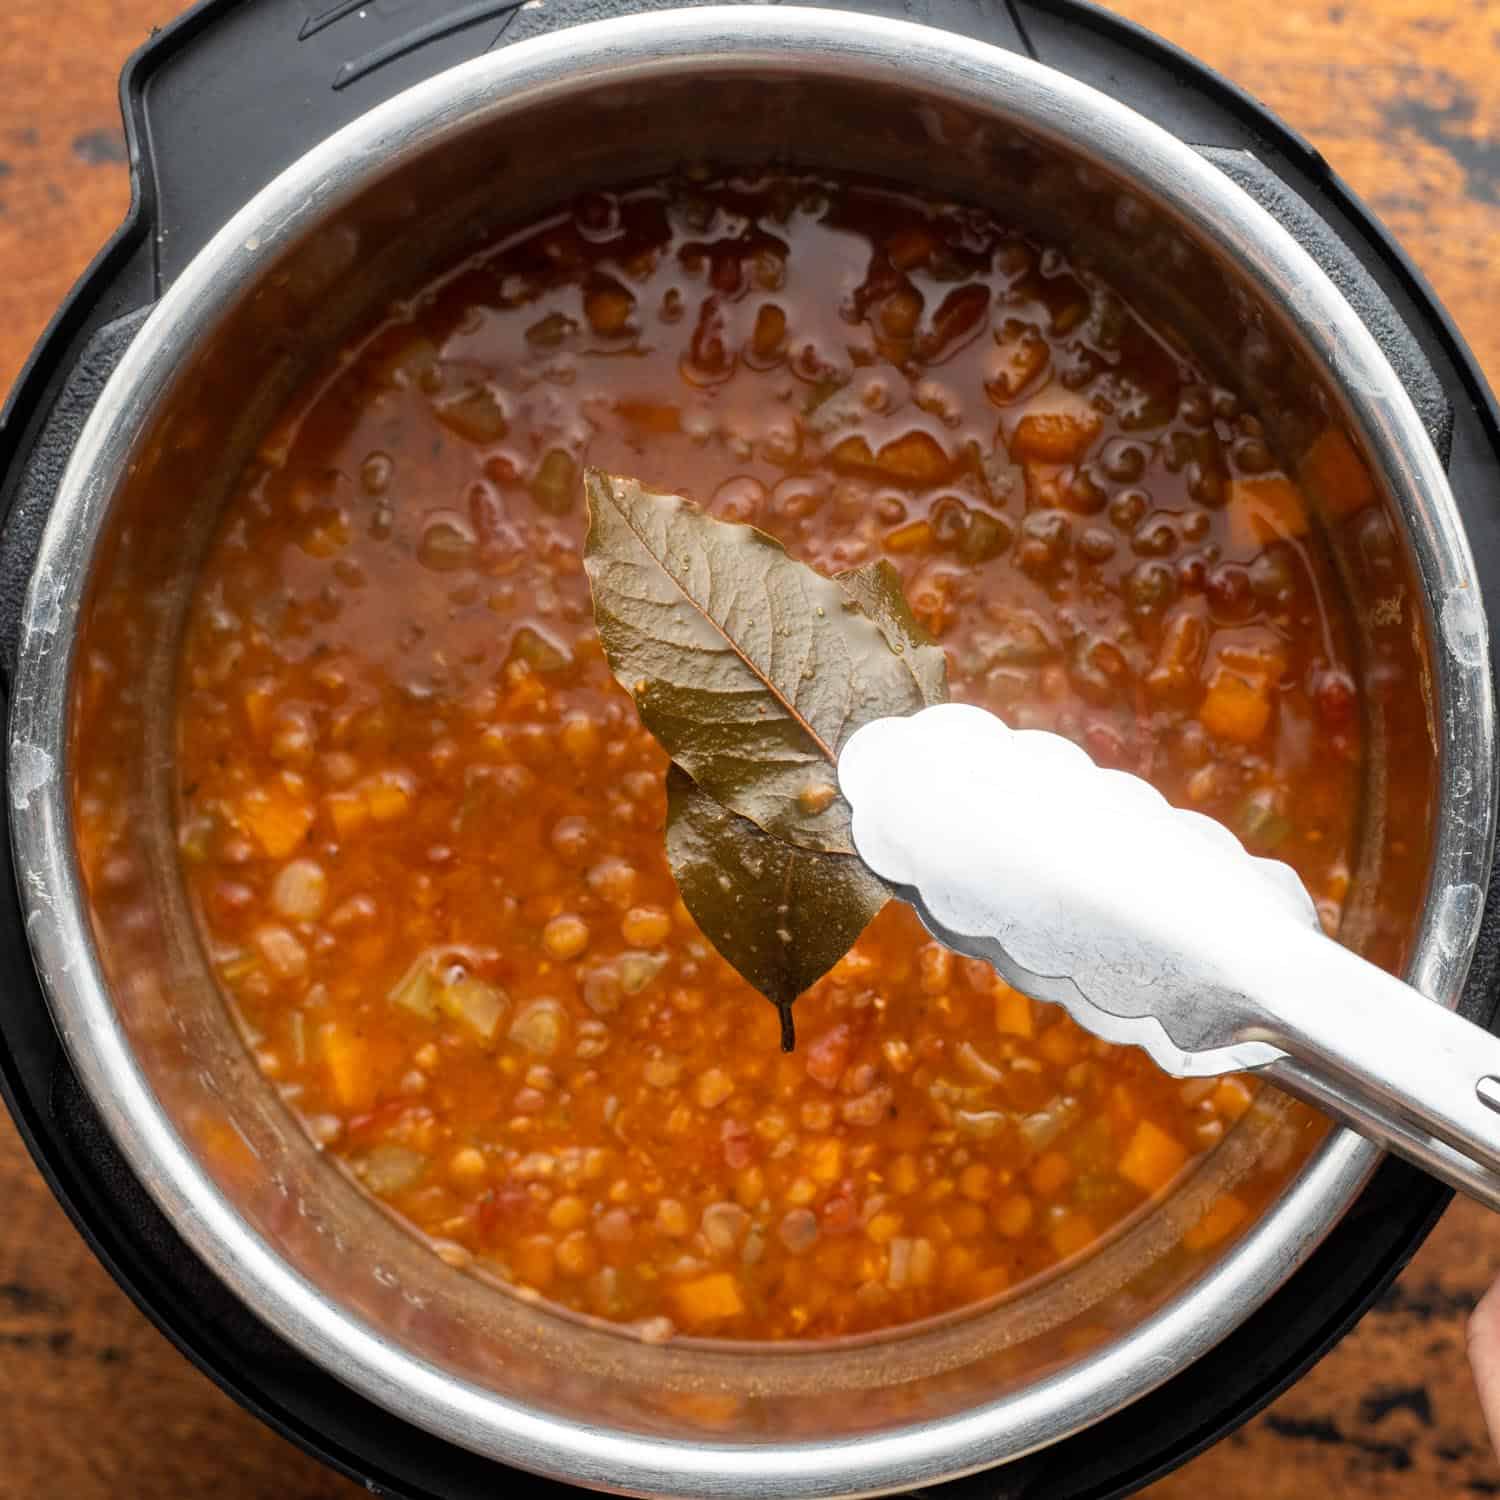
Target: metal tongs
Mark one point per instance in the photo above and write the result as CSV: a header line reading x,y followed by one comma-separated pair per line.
x,y
1155,927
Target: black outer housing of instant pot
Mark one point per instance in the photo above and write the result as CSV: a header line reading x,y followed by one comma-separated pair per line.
x,y
215,105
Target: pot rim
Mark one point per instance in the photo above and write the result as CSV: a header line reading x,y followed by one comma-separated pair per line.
x,y
633,49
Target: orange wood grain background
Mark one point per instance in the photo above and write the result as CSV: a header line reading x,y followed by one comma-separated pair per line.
x,y
1403,97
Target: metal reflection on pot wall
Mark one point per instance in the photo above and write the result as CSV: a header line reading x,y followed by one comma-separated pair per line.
x,y
412,185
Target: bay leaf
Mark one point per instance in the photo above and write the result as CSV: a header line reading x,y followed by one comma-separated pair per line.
x,y
782,915
750,668
876,588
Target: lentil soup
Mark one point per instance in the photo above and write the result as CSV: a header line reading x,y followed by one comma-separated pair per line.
x,y
421,825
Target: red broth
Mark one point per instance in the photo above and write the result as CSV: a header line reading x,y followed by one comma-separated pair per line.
x,y
422,826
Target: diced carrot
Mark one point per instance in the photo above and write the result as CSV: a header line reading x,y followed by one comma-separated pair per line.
x,y
1235,707
1225,1215
915,536
1058,428
708,1299
1013,1014
1265,508
1152,1158
651,417
276,818
826,1160
1232,1098
917,456
1333,470
1059,1044
258,700
1071,1234
347,1058
852,453
347,811
1023,355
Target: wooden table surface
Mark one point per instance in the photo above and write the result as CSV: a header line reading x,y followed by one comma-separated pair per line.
x,y
1403,97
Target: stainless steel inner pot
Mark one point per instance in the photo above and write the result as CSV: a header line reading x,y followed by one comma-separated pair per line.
x,y
409,187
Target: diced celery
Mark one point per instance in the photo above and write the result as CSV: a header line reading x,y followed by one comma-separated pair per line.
x,y
417,989
472,1001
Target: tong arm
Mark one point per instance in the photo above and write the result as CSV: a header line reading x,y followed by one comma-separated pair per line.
x,y
1155,927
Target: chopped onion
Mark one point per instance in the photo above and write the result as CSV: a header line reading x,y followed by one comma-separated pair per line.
x,y
976,1065
984,1124
389,1169
945,1091
1042,1128
474,1002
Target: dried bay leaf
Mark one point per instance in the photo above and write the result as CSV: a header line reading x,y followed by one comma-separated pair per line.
x,y
783,916
876,588
750,668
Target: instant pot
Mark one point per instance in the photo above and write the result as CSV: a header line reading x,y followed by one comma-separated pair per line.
x,y
294,161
